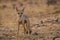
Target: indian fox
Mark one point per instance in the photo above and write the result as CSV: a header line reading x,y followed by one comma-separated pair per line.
x,y
24,20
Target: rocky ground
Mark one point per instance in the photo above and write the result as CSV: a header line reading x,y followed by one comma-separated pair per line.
x,y
44,16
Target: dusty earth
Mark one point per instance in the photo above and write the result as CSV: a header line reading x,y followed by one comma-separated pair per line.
x,y
44,16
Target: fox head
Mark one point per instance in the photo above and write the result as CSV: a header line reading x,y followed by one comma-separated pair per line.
x,y
20,12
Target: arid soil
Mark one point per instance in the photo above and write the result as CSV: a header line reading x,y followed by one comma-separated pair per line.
x,y
44,16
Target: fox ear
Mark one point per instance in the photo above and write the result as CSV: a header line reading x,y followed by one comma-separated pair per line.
x,y
17,9
23,9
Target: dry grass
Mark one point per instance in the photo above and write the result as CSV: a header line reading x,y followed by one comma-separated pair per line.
x,y
44,19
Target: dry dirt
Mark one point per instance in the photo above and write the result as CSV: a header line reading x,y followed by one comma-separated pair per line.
x,y
44,16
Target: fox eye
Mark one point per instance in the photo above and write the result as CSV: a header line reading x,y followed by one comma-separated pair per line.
x,y
18,13
21,13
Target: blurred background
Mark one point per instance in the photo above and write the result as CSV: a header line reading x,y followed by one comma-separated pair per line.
x,y
44,16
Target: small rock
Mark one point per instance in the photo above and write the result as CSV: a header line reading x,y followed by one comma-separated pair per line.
x,y
35,33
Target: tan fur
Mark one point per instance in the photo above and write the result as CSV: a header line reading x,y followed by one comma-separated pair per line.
x,y
23,19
